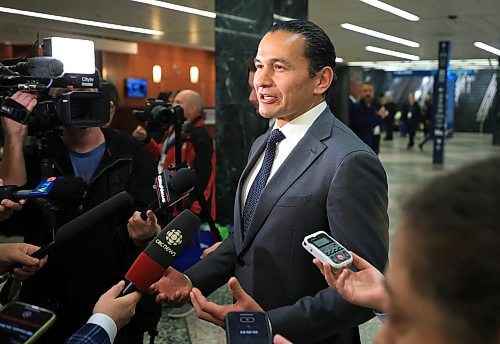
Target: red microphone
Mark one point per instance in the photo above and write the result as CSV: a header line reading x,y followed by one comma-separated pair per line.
x,y
161,251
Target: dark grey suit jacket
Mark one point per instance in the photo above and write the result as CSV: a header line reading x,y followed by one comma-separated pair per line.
x,y
331,181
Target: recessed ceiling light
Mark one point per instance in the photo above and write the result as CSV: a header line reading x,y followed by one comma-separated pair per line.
x,y
179,8
392,53
487,47
388,8
380,35
80,21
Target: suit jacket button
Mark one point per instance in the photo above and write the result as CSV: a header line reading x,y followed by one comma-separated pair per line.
x,y
241,262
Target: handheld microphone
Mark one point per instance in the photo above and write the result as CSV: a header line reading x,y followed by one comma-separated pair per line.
x,y
159,254
72,230
39,67
59,192
170,189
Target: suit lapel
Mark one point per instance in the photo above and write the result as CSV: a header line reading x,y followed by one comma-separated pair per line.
x,y
302,156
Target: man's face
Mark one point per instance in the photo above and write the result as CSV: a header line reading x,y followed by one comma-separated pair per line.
x,y
282,82
252,97
182,99
367,93
355,89
411,99
412,318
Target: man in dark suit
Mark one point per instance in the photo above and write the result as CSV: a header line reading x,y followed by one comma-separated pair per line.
x,y
322,177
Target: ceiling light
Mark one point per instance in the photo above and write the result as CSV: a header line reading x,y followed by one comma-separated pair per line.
x,y
487,47
392,53
339,59
388,8
423,65
179,8
80,21
380,35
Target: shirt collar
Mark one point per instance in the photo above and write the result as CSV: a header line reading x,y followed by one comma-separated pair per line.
x,y
297,127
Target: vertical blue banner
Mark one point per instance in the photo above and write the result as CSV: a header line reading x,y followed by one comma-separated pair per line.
x,y
440,91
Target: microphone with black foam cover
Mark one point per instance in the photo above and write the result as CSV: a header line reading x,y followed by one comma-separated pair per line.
x,y
71,231
171,188
39,67
149,266
58,192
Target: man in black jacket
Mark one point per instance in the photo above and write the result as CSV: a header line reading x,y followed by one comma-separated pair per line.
x,y
77,275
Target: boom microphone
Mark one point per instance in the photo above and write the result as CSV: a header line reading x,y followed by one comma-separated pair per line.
x,y
171,188
72,230
159,254
59,192
39,67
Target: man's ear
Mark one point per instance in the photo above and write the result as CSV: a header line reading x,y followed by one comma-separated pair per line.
x,y
325,79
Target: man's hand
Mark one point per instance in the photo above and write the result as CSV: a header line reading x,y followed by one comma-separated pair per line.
x,y
363,288
13,130
215,313
120,309
140,133
7,207
173,288
210,249
382,112
139,230
278,339
19,253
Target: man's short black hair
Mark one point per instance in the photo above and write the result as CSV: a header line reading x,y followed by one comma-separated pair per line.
x,y
318,48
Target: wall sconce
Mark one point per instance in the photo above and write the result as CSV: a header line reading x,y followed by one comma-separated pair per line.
x,y
157,74
194,74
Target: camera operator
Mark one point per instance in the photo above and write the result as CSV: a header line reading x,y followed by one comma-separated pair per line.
x,y
75,277
197,148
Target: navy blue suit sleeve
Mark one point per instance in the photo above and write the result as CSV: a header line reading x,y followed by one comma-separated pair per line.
x,y
89,334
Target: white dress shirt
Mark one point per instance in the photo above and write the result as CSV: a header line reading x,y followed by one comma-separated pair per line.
x,y
294,131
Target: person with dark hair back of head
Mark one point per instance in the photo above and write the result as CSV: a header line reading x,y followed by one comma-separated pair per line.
x,y
443,282
309,172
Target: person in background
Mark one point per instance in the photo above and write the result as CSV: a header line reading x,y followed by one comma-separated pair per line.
x,y
390,107
410,115
366,121
309,172
442,284
198,153
428,115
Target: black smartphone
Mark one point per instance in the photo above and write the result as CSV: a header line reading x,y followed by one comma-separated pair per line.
x,y
248,327
21,323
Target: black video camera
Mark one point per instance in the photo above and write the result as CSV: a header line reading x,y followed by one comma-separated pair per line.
x,y
159,114
40,74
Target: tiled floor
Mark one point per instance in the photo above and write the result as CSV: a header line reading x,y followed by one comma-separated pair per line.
x,y
406,170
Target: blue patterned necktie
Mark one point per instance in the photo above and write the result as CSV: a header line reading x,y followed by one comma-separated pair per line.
x,y
261,179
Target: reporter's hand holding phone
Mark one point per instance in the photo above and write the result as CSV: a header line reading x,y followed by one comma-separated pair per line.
x,y
363,288
19,253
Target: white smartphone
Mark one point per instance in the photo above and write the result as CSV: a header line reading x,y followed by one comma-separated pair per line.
x,y
327,249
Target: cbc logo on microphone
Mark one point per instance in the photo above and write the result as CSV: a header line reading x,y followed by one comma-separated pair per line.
x,y
174,237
